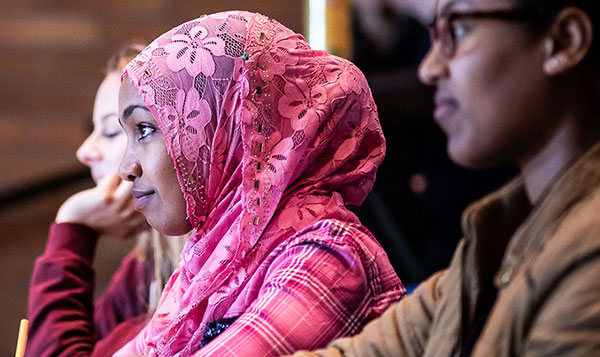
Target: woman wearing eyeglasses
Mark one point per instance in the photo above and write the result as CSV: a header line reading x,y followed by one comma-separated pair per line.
x,y
517,81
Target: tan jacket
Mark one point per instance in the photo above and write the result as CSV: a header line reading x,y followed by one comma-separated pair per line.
x,y
548,278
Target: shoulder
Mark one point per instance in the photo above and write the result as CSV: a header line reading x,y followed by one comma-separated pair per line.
x,y
348,241
573,245
349,246
564,278
576,235
328,235
337,234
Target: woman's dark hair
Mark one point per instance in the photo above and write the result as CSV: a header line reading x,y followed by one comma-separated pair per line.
x,y
123,55
546,11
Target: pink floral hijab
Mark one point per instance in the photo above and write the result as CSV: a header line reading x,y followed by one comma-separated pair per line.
x,y
267,137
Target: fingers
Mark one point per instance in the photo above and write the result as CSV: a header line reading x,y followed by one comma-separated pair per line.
x,y
130,226
139,226
116,191
109,182
122,195
125,225
107,186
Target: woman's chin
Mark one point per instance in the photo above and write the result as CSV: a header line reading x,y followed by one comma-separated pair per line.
x,y
470,158
171,227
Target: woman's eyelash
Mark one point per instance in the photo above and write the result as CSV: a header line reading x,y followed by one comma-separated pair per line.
x,y
145,129
113,134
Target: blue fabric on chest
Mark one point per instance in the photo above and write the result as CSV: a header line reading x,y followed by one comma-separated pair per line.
x,y
215,328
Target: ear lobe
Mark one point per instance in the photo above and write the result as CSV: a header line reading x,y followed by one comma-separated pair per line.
x,y
568,41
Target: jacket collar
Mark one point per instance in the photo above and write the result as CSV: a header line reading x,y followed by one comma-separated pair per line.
x,y
577,182
502,228
488,225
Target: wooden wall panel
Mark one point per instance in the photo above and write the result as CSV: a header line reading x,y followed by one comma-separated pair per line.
x,y
52,54
52,57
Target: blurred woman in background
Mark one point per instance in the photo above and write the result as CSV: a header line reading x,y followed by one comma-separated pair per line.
x,y
62,284
517,81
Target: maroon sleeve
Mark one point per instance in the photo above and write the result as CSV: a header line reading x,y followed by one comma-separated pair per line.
x,y
61,295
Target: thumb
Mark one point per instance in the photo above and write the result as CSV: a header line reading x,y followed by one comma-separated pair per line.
x,y
122,195
109,182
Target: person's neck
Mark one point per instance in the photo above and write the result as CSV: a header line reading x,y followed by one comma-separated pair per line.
x,y
541,168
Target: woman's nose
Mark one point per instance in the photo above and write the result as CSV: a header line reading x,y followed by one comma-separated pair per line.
x,y
88,153
129,169
433,67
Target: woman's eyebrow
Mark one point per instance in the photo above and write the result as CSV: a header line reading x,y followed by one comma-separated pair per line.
x,y
129,110
450,5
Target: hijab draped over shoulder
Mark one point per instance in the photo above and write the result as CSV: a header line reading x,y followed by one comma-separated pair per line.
x,y
267,138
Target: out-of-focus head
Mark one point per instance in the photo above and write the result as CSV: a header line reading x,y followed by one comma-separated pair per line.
x,y
506,72
103,149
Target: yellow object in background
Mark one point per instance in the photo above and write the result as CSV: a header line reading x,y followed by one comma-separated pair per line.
x,y
339,28
329,26
22,339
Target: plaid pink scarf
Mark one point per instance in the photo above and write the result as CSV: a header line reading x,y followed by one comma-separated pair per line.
x,y
267,137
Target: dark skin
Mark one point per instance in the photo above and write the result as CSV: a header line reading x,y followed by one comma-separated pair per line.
x,y
512,94
148,165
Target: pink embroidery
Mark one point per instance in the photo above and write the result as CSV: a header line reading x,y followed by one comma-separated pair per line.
x,y
193,51
267,137
349,77
196,114
302,105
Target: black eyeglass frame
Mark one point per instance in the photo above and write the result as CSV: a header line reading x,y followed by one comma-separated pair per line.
x,y
440,27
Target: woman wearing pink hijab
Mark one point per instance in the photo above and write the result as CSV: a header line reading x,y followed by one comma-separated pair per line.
x,y
270,141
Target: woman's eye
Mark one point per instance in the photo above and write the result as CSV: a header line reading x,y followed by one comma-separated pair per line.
x,y
460,30
112,135
145,129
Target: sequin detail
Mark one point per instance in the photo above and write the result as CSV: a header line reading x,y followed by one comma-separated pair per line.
x,y
215,328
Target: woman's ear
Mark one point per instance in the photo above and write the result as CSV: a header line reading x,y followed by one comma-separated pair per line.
x,y
568,41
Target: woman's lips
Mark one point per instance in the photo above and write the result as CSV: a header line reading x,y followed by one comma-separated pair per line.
x,y
141,198
444,108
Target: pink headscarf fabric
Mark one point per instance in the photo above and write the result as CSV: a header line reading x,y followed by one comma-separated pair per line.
x,y
267,137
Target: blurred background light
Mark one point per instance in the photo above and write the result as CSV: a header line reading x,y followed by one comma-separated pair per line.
x,y
317,27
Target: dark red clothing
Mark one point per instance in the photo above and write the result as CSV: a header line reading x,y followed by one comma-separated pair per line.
x,y
62,321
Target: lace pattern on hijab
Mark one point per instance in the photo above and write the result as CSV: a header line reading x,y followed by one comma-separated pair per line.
x,y
267,137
